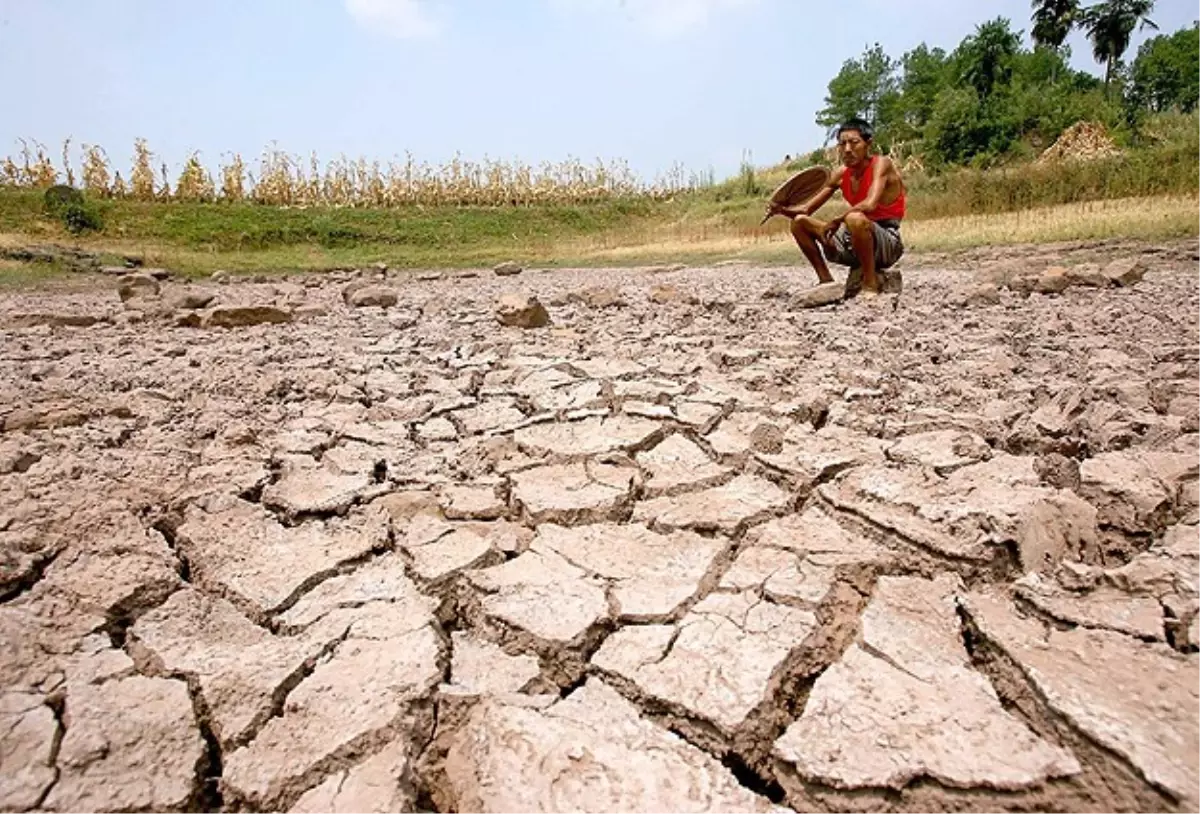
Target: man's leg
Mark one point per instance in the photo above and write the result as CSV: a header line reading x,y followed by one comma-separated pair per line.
x,y
862,237
807,231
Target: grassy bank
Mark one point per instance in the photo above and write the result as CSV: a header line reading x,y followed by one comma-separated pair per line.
x,y
1148,193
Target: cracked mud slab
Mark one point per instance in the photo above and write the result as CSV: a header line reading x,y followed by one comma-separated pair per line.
x,y
974,512
649,574
717,664
239,550
588,752
904,702
130,744
364,692
1138,699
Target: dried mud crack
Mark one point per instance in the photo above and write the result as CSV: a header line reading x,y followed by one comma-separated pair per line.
x,y
701,552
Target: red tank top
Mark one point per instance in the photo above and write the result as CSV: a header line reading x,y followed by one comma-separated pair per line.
x,y
892,211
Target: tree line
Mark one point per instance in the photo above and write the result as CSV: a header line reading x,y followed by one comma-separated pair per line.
x,y
991,98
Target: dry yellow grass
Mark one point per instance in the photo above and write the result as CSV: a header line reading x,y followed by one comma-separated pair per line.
x,y
1142,218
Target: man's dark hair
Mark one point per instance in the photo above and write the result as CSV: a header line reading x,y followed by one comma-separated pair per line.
x,y
861,125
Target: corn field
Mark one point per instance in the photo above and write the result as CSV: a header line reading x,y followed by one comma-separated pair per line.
x,y
286,180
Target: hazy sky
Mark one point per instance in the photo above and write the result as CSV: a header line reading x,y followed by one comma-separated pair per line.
x,y
650,81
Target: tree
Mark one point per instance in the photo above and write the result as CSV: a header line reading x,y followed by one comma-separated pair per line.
x,y
985,58
1052,22
925,73
1109,25
1166,72
865,87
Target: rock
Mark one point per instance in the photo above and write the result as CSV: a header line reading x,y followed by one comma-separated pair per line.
x,y
429,276
193,300
818,295
599,297
906,703
372,296
221,276
129,745
507,269
521,311
1053,280
1134,698
242,316
136,286
984,294
55,320
891,281
1088,274
668,295
588,751
1125,271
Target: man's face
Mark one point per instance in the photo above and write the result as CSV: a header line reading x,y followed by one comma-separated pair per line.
x,y
852,148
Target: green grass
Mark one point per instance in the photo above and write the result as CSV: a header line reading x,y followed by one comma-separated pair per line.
x,y
719,221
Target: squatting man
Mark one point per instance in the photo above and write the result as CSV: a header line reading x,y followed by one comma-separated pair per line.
x,y
867,235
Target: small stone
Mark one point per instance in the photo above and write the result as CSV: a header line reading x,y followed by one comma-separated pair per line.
x,y
134,286
522,311
815,297
667,295
985,294
193,300
1125,271
1053,280
599,297
507,269
371,296
767,439
242,316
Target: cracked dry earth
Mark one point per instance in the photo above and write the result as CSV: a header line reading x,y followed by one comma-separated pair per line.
x,y
684,549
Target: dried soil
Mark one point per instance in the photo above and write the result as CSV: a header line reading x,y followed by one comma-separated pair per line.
x,y
281,545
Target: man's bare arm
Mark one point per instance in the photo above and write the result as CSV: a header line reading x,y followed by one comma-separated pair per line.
x,y
817,201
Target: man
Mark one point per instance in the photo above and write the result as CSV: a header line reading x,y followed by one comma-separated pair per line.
x,y
867,236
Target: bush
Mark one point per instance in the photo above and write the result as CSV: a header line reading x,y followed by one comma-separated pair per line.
x,y
81,217
69,206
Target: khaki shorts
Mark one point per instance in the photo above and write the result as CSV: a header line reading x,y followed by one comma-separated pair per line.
x,y
888,246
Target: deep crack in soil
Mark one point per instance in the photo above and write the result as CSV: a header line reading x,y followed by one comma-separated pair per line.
x,y
709,551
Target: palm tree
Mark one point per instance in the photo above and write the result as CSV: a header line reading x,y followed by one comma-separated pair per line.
x,y
1053,21
1109,25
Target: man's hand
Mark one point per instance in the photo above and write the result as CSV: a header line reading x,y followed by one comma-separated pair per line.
x,y
831,228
